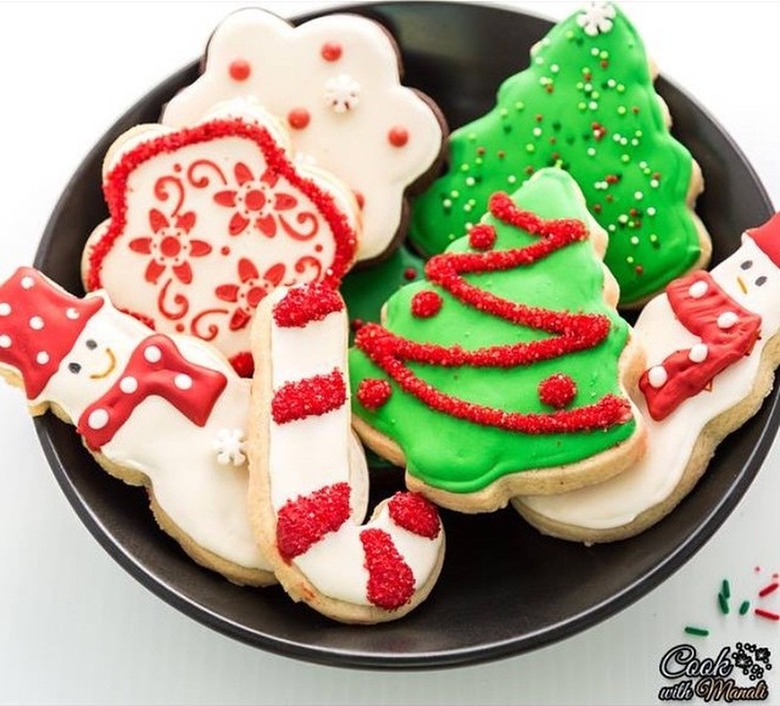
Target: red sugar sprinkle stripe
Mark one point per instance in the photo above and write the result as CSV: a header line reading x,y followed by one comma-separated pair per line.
x,y
115,190
769,615
415,514
302,305
771,588
303,522
390,580
573,332
309,397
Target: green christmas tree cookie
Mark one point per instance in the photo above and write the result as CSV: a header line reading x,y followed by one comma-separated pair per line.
x,y
502,373
586,104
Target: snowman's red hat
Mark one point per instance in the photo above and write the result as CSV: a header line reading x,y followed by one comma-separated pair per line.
x,y
39,324
767,237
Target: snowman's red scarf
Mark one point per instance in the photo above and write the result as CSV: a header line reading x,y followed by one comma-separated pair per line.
x,y
192,389
725,346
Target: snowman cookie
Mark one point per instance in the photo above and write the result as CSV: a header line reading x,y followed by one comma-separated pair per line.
x,y
206,220
336,83
712,347
307,469
169,414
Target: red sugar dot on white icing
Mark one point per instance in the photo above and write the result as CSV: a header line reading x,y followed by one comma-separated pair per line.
x,y
98,418
153,354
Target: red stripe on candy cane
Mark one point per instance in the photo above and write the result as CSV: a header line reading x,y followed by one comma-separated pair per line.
x,y
305,305
303,522
390,580
309,397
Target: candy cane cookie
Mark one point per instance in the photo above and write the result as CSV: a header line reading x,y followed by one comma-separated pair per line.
x,y
307,466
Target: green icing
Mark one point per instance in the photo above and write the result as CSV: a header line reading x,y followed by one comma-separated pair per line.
x,y
586,104
459,456
366,289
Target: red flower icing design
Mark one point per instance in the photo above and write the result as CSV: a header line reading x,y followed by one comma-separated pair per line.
x,y
256,203
170,246
250,292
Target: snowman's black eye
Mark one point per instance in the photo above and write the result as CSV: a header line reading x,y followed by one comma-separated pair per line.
x,y
746,265
74,368
760,280
91,344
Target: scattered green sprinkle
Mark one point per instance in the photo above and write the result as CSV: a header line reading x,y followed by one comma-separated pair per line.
x,y
725,589
700,632
723,602
744,608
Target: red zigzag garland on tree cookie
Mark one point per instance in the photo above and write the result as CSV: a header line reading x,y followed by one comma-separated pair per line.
x,y
570,332
391,562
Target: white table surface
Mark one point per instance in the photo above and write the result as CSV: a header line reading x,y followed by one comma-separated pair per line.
x,y
75,628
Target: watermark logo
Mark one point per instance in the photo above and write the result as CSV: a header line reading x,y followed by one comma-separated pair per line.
x,y
735,674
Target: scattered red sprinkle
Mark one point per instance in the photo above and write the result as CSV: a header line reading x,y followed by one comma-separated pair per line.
x,y
639,270
539,117
597,207
179,328
482,237
240,70
426,304
557,391
768,614
771,588
303,522
331,51
573,332
410,273
549,88
398,136
313,396
298,118
302,305
612,179
356,324
390,580
529,170
635,110
415,514
501,154
373,393
604,64
225,250
480,151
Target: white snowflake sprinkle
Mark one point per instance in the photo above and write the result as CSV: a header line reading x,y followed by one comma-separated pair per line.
x,y
342,93
229,446
597,19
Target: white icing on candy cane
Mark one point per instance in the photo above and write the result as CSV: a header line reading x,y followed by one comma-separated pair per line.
x,y
752,280
391,562
335,80
100,362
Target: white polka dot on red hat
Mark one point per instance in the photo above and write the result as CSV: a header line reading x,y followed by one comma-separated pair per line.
x,y
27,282
98,418
698,353
36,323
153,354
727,319
5,341
657,376
128,385
42,358
5,309
698,289
72,313
183,381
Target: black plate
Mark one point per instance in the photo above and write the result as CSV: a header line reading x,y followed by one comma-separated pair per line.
x,y
504,588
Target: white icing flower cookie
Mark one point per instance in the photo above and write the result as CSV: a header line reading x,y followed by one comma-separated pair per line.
x,y
307,471
335,81
206,220
712,342
169,414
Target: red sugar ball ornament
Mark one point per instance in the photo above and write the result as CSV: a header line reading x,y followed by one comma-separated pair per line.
x,y
373,393
482,237
426,304
331,51
557,390
398,136
240,70
298,118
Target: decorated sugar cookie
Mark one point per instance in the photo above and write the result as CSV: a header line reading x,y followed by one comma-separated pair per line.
x,y
307,467
712,346
502,371
206,220
335,82
169,414
586,104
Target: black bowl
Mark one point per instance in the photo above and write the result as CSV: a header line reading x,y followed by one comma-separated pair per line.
x,y
504,588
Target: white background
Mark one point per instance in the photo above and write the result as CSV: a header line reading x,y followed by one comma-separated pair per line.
x,y
75,628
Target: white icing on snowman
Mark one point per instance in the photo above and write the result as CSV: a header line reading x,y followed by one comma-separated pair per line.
x,y
351,59
751,278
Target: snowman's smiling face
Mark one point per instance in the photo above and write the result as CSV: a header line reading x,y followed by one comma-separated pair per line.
x,y
752,280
